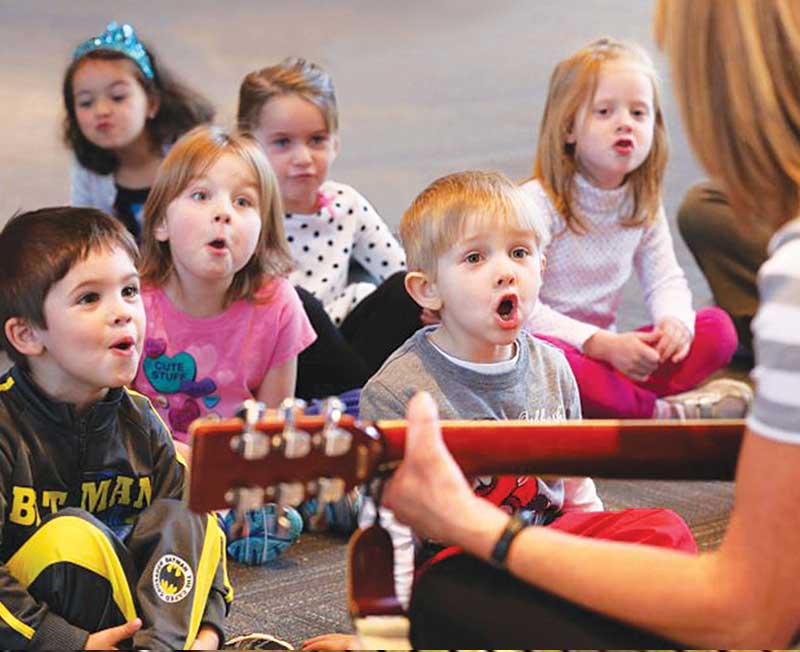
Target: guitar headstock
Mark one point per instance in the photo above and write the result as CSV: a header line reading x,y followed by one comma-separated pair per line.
x,y
256,458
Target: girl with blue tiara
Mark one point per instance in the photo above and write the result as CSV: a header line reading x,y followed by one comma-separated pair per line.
x,y
123,112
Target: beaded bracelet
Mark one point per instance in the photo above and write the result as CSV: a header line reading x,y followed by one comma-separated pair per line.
x,y
515,525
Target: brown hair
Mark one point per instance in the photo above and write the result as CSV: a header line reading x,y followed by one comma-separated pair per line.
x,y
38,249
572,85
439,214
294,76
741,111
180,109
191,156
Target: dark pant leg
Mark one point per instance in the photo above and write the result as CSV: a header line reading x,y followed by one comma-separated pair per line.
x,y
330,365
728,253
463,603
180,558
382,321
86,573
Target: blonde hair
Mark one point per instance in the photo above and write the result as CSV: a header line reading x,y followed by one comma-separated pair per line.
x,y
572,85
741,112
292,76
190,157
440,213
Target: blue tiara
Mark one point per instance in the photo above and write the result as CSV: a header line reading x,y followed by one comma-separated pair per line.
x,y
121,38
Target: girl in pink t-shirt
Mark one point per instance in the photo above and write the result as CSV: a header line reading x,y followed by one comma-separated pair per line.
x,y
223,324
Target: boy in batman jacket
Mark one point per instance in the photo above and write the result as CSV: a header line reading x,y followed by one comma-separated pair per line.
x,y
97,549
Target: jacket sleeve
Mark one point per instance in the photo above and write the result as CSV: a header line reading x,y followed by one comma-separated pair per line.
x,y
26,623
169,468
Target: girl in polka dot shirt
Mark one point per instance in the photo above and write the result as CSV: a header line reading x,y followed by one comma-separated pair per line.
x,y
291,110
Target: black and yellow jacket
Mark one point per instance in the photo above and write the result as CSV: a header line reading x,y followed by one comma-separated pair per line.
x,y
112,461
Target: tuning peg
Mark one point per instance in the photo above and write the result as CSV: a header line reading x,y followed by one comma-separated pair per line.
x,y
329,490
243,499
296,443
251,444
325,490
337,440
288,493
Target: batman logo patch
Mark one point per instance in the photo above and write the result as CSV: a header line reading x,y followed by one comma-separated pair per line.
x,y
172,578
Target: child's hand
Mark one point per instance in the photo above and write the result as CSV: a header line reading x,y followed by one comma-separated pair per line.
x,y
207,639
106,639
630,353
184,450
674,341
331,642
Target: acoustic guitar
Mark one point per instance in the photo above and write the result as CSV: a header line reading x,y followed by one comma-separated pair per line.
x,y
285,458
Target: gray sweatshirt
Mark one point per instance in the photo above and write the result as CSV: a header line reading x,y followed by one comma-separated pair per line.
x,y
539,386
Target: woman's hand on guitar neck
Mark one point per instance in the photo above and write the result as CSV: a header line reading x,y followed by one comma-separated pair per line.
x,y
429,492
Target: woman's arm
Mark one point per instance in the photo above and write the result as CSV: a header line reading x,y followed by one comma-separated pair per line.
x,y
738,596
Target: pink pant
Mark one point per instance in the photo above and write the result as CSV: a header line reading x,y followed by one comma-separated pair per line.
x,y
607,393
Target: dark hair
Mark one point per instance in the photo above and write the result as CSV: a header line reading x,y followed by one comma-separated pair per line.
x,y
38,248
180,110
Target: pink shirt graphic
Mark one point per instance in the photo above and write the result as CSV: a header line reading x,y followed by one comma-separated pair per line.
x,y
193,367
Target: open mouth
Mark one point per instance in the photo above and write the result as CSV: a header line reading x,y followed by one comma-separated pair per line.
x,y
217,243
624,146
507,308
123,345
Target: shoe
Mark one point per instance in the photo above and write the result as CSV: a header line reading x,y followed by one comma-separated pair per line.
x,y
256,641
723,398
264,542
340,516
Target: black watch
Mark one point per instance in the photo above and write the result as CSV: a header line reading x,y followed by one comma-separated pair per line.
x,y
515,525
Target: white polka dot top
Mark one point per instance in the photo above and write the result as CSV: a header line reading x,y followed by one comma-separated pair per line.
x,y
585,275
322,244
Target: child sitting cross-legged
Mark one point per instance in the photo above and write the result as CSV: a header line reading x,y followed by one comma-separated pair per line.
x,y
96,546
598,175
474,243
223,324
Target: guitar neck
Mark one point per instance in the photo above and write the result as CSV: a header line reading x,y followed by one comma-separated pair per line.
x,y
647,449
665,450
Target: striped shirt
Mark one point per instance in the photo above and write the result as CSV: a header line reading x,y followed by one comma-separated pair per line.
x,y
776,338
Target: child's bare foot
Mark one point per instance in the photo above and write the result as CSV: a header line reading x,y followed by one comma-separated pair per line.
x,y
331,642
